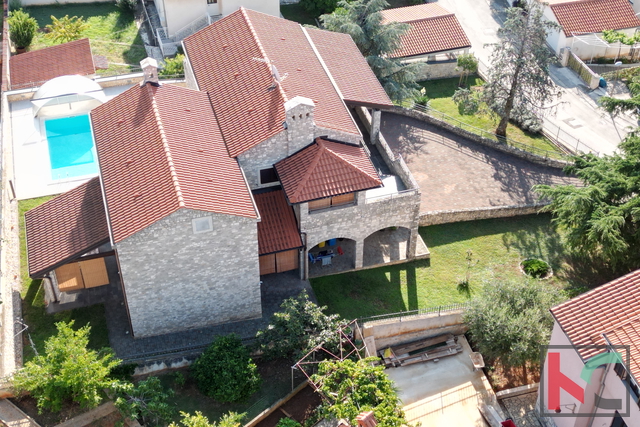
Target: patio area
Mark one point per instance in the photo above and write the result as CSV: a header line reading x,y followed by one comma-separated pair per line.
x,y
327,264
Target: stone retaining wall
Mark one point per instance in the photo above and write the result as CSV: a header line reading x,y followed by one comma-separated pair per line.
x,y
472,214
535,158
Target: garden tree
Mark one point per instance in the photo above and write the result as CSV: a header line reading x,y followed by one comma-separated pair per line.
x,y
509,321
362,20
22,28
67,371
318,7
468,64
66,29
225,371
299,327
173,66
602,217
615,106
146,401
198,420
519,87
351,387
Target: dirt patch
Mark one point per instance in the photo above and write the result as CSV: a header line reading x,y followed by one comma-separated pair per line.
x,y
502,378
299,407
29,406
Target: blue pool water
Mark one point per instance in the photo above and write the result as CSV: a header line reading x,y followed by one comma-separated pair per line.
x,y
71,148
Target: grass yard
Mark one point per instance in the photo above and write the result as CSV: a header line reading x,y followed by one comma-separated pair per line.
x,y
498,247
42,325
440,93
113,34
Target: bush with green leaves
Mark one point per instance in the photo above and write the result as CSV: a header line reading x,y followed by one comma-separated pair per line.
x,y
127,6
68,371
535,268
468,101
351,387
231,419
297,328
288,422
225,371
22,28
318,7
173,67
66,29
146,401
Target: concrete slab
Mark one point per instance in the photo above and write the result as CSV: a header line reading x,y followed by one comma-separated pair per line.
x,y
444,393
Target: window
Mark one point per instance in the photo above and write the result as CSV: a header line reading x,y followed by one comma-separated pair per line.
x,y
267,176
202,225
212,1
344,199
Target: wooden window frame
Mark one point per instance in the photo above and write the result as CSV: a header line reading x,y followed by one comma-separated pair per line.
x,y
334,201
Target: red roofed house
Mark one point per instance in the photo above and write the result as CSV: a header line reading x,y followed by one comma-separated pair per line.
x,y
582,23
435,38
258,168
606,319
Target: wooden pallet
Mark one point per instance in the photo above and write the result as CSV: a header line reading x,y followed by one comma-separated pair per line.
x,y
399,355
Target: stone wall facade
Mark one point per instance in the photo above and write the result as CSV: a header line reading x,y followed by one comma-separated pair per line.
x,y
473,214
175,279
438,70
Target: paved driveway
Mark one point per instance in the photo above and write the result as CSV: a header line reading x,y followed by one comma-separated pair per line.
x,y
456,173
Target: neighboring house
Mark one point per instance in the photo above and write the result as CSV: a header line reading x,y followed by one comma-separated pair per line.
x,y
435,39
582,23
252,170
608,315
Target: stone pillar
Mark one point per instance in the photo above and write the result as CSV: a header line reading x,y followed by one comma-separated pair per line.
x,y
375,125
359,253
564,60
413,243
304,264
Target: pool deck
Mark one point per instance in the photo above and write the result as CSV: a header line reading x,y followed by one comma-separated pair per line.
x,y
32,167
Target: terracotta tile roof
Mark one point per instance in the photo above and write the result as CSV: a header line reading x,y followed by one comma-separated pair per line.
x,y
629,334
324,169
612,309
354,78
433,29
223,58
34,68
278,228
594,16
159,150
65,227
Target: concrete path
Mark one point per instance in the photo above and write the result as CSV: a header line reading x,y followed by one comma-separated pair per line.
x,y
455,173
12,416
578,117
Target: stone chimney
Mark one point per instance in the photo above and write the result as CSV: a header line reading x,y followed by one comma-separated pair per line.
x,y
150,69
299,123
366,419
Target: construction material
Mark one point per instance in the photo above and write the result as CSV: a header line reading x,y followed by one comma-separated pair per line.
x,y
477,360
420,351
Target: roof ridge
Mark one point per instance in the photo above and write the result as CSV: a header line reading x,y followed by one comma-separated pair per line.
x,y
262,51
165,145
345,160
307,174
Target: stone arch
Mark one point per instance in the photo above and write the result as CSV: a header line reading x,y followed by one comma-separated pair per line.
x,y
387,245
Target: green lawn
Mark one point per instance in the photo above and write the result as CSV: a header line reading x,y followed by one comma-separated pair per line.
x,y
498,244
440,93
42,325
113,34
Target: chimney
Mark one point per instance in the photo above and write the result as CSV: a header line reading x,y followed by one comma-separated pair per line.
x,y
150,69
366,419
299,123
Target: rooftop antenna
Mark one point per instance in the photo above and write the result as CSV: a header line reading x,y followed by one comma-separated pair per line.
x,y
275,75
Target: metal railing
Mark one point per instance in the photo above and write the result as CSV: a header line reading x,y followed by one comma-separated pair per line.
x,y
564,139
524,146
412,314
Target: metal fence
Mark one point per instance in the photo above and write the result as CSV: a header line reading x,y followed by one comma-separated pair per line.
x,y
412,314
564,139
525,146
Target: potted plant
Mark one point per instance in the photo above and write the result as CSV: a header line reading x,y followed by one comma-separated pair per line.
x,y
22,29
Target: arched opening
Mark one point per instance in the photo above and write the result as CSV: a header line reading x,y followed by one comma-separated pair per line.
x,y
332,256
387,245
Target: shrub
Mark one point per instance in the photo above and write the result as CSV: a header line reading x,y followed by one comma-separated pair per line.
x,y
198,420
300,326
173,66
288,422
467,101
123,371
22,28
66,29
225,371
536,268
146,401
67,370
318,7
127,6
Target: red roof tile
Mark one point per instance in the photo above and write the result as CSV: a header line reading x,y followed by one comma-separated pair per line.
x,y
433,29
612,309
159,150
594,16
36,67
278,228
324,169
227,59
628,334
354,78
65,227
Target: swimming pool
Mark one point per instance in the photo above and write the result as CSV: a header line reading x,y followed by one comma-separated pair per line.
x,y
71,148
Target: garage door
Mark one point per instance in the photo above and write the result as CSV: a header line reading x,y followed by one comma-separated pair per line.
x,y
279,262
